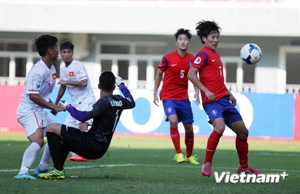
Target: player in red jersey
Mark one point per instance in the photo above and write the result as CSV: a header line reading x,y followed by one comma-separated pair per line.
x,y
218,101
174,94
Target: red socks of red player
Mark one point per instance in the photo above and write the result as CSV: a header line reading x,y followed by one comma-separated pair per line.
x,y
175,139
189,142
241,145
211,146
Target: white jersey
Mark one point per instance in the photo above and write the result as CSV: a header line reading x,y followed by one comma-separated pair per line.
x,y
77,72
40,80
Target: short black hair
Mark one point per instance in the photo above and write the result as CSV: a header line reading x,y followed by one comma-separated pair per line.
x,y
183,31
206,27
66,45
44,42
107,81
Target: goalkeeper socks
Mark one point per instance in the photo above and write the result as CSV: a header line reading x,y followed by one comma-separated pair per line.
x,y
175,139
55,148
189,142
211,146
44,164
241,145
29,157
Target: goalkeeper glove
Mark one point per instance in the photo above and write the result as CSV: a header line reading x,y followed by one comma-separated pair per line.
x,y
119,81
65,104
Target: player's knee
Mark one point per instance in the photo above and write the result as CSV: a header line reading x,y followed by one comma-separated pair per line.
x,y
52,127
219,129
173,122
243,134
189,128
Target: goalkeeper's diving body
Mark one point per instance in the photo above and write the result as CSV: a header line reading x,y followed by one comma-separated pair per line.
x,y
94,143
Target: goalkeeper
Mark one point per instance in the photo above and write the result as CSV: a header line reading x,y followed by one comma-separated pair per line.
x,y
94,143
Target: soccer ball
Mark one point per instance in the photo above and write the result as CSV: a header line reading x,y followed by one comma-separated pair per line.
x,y
251,53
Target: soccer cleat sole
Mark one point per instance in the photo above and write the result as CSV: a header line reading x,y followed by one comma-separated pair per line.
x,y
53,178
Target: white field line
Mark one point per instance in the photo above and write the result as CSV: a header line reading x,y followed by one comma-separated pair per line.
x,y
151,165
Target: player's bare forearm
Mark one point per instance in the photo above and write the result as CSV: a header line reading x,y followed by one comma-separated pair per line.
x,y
192,76
157,80
60,94
37,99
82,83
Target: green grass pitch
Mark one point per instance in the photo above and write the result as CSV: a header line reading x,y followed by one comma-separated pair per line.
x,y
144,165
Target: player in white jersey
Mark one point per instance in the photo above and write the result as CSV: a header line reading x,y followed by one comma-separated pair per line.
x,y
74,79
35,97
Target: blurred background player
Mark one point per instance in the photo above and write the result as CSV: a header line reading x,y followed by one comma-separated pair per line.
x,y
218,101
93,144
74,78
174,94
35,97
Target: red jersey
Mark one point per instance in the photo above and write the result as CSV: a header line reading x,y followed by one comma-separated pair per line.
x,y
175,68
211,73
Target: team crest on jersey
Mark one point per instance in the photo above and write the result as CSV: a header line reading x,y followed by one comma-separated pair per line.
x,y
54,75
214,112
197,60
71,73
37,85
190,63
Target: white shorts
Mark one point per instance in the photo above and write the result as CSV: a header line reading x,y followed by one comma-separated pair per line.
x,y
32,121
86,105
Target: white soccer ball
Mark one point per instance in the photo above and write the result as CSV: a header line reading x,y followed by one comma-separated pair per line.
x,y
251,53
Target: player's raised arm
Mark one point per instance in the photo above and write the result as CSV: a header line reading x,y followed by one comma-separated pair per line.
x,y
128,101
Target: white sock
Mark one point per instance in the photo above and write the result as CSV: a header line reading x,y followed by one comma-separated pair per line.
x,y
73,154
44,164
29,157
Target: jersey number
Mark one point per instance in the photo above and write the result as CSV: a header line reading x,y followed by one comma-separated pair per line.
x,y
181,74
116,120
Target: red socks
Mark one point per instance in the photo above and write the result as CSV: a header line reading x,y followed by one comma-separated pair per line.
x,y
211,147
241,145
175,139
189,142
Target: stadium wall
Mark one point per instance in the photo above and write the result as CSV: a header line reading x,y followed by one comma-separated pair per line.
x,y
266,115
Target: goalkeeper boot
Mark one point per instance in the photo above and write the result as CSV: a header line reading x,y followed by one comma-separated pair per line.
x,y
248,170
192,159
206,169
179,158
77,158
53,174
24,176
37,171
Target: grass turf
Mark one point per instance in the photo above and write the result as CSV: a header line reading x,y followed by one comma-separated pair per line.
x,y
144,165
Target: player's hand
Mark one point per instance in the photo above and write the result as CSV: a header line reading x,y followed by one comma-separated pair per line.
x,y
64,104
119,81
156,100
232,99
62,82
211,96
56,109
197,97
